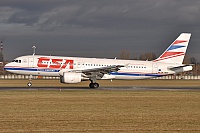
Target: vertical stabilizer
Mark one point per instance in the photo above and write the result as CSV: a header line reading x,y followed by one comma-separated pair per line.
x,y
175,53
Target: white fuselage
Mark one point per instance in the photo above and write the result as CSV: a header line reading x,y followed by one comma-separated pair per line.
x,y
40,65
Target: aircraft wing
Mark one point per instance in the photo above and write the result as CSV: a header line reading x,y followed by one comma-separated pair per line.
x,y
99,72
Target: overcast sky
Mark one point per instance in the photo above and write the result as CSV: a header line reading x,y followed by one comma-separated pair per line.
x,y
97,28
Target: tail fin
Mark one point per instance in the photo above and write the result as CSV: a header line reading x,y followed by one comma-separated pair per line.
x,y
176,51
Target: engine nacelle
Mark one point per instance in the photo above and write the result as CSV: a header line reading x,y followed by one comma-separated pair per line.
x,y
70,78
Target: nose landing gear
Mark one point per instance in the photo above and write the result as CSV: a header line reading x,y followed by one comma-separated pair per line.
x,y
29,84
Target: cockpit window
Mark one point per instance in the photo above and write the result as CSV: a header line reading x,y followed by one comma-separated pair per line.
x,y
17,61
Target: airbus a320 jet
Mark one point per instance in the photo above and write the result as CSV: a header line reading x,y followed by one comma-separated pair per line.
x,y
77,69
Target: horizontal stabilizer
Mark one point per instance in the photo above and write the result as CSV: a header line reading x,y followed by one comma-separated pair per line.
x,y
179,69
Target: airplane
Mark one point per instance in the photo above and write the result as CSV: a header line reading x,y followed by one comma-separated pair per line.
x,y
77,69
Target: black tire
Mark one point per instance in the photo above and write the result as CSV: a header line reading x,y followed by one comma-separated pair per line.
x,y
96,85
29,84
93,85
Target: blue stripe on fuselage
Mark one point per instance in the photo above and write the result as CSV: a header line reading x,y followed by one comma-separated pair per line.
x,y
135,74
31,69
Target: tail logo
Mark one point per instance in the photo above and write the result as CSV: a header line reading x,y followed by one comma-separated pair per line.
x,y
176,51
173,51
179,41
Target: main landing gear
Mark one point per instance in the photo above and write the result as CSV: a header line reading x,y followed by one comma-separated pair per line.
x,y
93,84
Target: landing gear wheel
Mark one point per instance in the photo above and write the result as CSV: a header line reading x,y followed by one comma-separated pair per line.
x,y
29,84
93,85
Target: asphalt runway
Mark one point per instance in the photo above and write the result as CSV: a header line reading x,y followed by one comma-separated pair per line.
x,y
100,88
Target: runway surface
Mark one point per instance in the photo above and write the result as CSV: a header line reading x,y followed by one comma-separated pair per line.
x,y
100,88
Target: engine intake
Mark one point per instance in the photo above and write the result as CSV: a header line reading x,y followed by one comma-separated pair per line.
x,y
70,78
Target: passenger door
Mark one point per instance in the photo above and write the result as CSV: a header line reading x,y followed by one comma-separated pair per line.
x,y
31,61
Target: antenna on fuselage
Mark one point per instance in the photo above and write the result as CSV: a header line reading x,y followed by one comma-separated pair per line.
x,y
34,47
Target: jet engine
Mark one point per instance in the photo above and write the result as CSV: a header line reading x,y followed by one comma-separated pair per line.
x,y
70,77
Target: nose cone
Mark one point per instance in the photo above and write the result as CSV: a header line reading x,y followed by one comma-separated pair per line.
x,y
8,67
